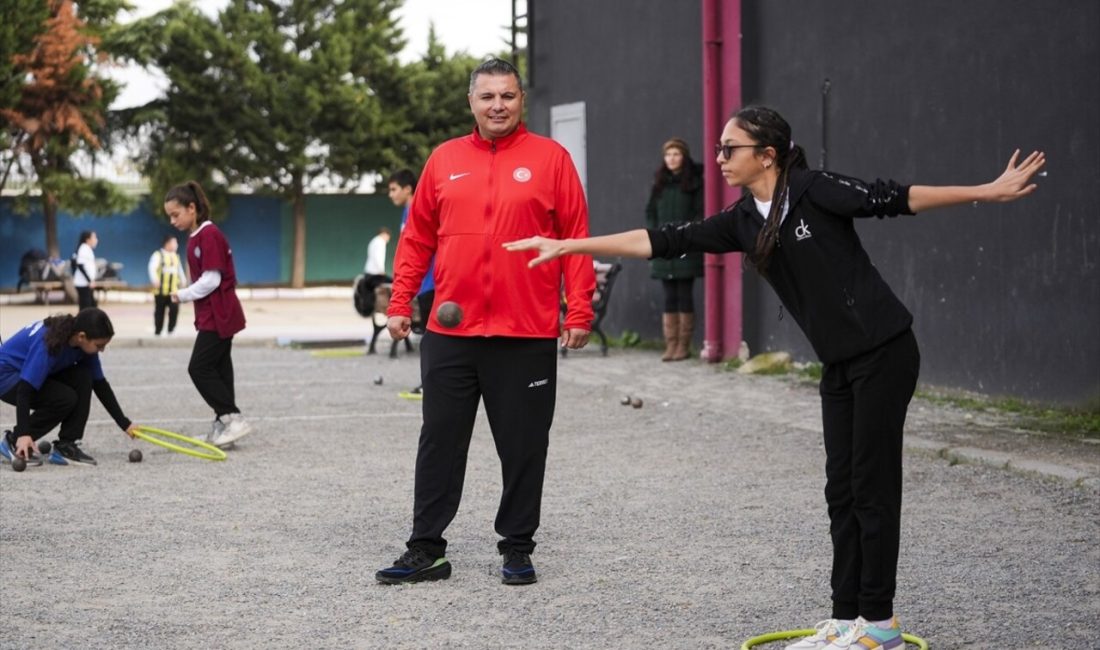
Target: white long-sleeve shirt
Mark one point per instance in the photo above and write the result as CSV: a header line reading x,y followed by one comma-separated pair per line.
x,y
203,287
376,256
85,259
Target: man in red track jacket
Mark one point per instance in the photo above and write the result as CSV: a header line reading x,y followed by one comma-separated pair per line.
x,y
498,184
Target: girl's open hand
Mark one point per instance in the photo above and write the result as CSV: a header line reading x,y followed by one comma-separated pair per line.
x,y
548,249
1015,182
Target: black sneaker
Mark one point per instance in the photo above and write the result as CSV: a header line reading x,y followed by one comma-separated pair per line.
x,y
71,452
517,569
416,565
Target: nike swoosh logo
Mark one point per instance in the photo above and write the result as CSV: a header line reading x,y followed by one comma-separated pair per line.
x,y
455,177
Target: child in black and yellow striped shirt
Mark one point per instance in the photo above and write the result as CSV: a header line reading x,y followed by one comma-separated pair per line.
x,y
166,274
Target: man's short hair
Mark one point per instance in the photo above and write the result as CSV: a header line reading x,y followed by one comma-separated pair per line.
x,y
403,178
495,67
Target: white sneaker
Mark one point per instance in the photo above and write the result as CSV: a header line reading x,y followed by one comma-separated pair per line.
x,y
236,427
827,632
216,429
863,635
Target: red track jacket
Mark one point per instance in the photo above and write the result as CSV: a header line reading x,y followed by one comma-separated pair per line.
x,y
474,195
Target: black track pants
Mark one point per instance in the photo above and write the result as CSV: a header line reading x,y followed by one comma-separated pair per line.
x,y
65,398
517,377
864,401
211,370
160,305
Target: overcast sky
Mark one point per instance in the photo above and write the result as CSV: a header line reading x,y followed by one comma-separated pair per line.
x,y
477,26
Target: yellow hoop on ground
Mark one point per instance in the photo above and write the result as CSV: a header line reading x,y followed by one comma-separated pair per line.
x,y
406,394
794,634
335,353
198,448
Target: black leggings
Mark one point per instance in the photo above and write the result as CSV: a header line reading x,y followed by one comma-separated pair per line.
x,y
211,370
678,296
863,403
65,398
517,379
85,297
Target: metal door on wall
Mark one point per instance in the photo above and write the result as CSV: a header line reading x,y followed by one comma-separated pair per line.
x,y
567,126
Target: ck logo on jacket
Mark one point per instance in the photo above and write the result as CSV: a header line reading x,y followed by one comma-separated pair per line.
x,y
802,231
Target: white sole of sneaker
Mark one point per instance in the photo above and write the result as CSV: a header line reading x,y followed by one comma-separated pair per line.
x,y
227,441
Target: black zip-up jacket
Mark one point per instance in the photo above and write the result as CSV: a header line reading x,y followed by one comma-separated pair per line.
x,y
819,268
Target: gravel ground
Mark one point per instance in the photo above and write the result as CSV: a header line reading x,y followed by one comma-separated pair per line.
x,y
694,522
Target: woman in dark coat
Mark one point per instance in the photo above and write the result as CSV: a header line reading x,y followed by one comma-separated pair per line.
x,y
676,197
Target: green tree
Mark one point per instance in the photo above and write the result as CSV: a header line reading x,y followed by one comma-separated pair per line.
x,y
283,96
23,21
186,134
55,104
432,105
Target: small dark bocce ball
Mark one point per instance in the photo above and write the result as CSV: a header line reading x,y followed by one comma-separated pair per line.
x,y
44,447
449,314
378,380
18,464
135,456
636,402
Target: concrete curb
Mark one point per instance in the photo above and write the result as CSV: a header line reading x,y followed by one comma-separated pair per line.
x,y
1002,460
144,294
187,340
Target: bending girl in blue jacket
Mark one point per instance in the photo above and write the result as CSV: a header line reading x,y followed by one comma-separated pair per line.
x,y
49,370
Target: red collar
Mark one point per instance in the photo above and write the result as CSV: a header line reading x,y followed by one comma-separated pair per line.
x,y
500,143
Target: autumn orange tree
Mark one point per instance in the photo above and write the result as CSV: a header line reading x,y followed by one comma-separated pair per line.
x,y
56,107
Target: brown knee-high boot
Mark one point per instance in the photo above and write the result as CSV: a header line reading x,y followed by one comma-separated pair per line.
x,y
683,340
671,325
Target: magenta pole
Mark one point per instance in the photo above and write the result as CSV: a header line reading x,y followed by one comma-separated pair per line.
x,y
721,93
712,180
732,303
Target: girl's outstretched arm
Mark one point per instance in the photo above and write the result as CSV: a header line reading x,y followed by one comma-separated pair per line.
x,y
632,243
1014,183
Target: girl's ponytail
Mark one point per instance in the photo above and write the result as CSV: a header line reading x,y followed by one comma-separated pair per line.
x,y
768,128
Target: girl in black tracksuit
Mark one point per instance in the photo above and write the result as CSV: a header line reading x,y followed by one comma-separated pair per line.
x,y
796,227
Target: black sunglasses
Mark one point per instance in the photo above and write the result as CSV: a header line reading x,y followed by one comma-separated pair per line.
x,y
726,150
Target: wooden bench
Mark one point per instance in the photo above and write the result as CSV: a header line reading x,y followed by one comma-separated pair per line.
x,y
103,286
42,289
605,282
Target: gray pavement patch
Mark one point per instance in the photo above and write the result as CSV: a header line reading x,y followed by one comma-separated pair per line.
x,y
694,522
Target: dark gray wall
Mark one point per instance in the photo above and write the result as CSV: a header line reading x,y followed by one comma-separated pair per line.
x,y
1006,297
638,68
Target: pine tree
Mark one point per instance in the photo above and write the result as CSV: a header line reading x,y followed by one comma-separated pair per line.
x,y
59,110
433,103
283,96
